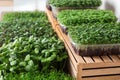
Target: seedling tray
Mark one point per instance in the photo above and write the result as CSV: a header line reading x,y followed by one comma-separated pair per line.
x,y
91,50
96,50
56,10
58,5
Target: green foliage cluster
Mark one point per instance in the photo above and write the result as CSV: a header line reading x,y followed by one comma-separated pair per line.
x,y
31,54
49,75
23,28
26,15
87,27
96,33
77,17
75,3
29,44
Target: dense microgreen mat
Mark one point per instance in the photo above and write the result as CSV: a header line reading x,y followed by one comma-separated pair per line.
x,y
29,44
75,3
77,17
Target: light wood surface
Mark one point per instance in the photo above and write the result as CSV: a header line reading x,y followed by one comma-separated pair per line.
x,y
6,2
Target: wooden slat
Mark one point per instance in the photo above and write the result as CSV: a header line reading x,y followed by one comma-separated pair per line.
x,y
106,59
88,60
79,73
54,23
115,58
101,65
73,72
59,34
51,19
101,72
114,77
97,59
71,57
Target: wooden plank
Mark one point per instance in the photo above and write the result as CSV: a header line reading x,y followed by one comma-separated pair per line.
x,y
97,59
106,59
59,34
51,19
79,58
71,57
72,70
88,60
54,23
101,72
6,2
115,58
114,77
101,65
79,73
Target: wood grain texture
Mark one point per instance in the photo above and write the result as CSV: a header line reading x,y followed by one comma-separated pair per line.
x,y
116,77
101,72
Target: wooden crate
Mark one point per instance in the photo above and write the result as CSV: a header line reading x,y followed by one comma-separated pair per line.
x,y
6,2
91,67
